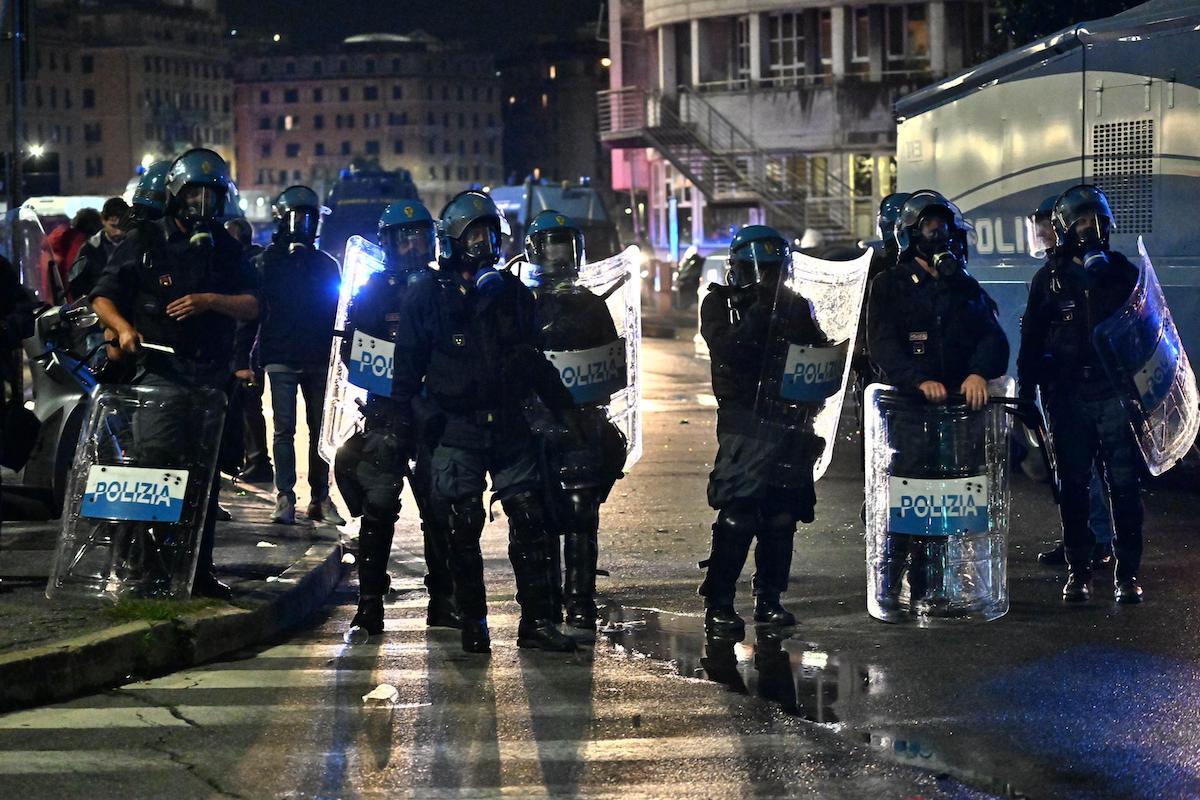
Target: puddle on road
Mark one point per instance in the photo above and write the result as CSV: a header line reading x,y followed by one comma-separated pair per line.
x,y
795,675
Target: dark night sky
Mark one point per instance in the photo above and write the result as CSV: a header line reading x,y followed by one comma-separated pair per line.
x,y
500,25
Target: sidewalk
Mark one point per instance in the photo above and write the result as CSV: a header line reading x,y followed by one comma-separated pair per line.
x,y
53,651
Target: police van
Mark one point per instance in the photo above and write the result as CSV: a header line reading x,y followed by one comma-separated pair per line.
x,y
1114,102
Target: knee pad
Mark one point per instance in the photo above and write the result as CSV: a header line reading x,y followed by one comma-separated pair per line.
x,y
780,524
466,520
525,516
585,508
741,520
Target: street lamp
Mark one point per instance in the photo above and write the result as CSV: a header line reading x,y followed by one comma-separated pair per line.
x,y
37,150
606,62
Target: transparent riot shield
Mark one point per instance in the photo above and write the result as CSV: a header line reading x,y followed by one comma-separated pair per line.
x,y
609,374
371,359
1141,351
138,493
937,492
812,375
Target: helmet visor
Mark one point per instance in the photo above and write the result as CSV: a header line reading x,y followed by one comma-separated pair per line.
x,y
481,240
198,202
301,223
408,247
757,262
556,252
1039,235
1076,202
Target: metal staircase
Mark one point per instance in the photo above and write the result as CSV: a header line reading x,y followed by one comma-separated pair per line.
x,y
725,164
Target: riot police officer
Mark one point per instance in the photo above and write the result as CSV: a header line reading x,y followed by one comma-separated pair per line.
x,y
883,258
150,196
181,282
300,286
931,328
1082,284
375,477
583,460
762,478
1042,243
468,332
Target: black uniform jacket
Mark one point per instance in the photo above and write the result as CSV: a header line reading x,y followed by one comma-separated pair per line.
x,y
921,328
1066,302
479,355
300,296
156,264
748,331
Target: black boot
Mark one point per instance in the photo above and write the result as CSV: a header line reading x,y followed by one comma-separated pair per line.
x,y
1129,560
891,571
206,584
543,635
442,613
772,566
580,553
1056,557
767,610
723,621
475,636
530,557
1079,575
369,615
731,536
466,519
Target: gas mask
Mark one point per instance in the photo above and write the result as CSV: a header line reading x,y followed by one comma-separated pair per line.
x,y
934,247
199,205
478,253
1091,241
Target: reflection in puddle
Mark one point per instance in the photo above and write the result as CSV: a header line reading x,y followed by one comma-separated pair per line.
x,y
799,677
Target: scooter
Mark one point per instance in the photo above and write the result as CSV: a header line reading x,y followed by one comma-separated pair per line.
x,y
66,339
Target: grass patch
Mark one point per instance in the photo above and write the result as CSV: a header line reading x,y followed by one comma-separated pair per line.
x,y
156,610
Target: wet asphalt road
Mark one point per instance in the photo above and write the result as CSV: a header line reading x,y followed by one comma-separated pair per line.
x,y
1050,701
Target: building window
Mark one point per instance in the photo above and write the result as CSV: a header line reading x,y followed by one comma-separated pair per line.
x,y
786,45
431,146
397,92
741,48
87,64
291,95
264,97
345,148
292,150
825,39
446,172
89,98
860,35
370,92
344,94
318,95
907,33
289,68
91,133
319,122
317,68
319,149
373,148
264,151
398,146
264,123
370,66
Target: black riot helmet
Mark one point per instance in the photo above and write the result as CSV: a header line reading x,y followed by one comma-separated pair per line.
x,y
469,232
929,226
757,254
554,245
297,212
407,236
1083,219
197,183
885,221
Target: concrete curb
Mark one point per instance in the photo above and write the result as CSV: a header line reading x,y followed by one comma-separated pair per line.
x,y
137,650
